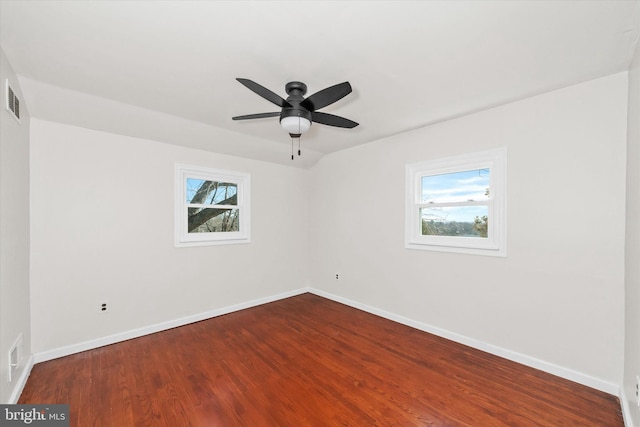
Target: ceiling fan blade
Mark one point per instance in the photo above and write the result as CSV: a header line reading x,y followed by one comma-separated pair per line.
x,y
256,116
265,93
331,120
326,96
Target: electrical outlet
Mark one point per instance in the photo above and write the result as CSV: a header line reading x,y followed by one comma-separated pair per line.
x,y
638,391
337,276
104,306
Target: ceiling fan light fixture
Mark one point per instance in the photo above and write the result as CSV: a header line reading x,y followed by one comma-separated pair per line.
x,y
295,125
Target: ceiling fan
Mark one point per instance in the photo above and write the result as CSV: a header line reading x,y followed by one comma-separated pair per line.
x,y
297,112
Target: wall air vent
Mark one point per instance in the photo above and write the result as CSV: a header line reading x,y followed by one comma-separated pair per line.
x,y
15,356
13,103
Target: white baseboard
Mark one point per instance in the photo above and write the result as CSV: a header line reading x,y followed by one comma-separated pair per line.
x,y
551,368
626,408
21,382
135,333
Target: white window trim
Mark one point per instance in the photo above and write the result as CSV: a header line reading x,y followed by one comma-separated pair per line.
x,y
495,244
185,239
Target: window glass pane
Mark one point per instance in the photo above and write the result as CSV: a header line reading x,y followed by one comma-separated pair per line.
x,y
460,186
205,192
459,221
213,220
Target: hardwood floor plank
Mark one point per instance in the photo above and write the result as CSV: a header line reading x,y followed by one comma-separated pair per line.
x,y
308,361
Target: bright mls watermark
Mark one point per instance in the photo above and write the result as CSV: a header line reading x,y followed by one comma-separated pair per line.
x,y
34,415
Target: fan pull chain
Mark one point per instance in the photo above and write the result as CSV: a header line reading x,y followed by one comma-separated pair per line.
x,y
298,136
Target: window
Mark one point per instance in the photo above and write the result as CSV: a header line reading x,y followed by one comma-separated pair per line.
x,y
458,204
212,207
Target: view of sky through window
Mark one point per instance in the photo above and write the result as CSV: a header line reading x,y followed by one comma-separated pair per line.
x,y
455,187
460,186
210,192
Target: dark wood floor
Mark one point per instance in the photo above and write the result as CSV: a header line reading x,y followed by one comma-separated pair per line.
x,y
308,361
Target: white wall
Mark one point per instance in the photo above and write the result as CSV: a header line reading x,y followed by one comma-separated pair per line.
x,y
559,294
14,235
102,229
632,253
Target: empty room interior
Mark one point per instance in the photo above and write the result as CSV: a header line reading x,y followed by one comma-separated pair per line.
x,y
321,213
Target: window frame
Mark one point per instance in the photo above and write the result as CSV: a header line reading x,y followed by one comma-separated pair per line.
x,y
243,182
495,244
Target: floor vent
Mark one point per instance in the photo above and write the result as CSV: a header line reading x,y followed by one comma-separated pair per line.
x,y
13,103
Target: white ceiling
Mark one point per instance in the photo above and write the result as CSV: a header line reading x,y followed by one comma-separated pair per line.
x,y
166,70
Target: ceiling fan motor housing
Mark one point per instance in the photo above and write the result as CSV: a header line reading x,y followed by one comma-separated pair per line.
x,y
295,111
296,91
